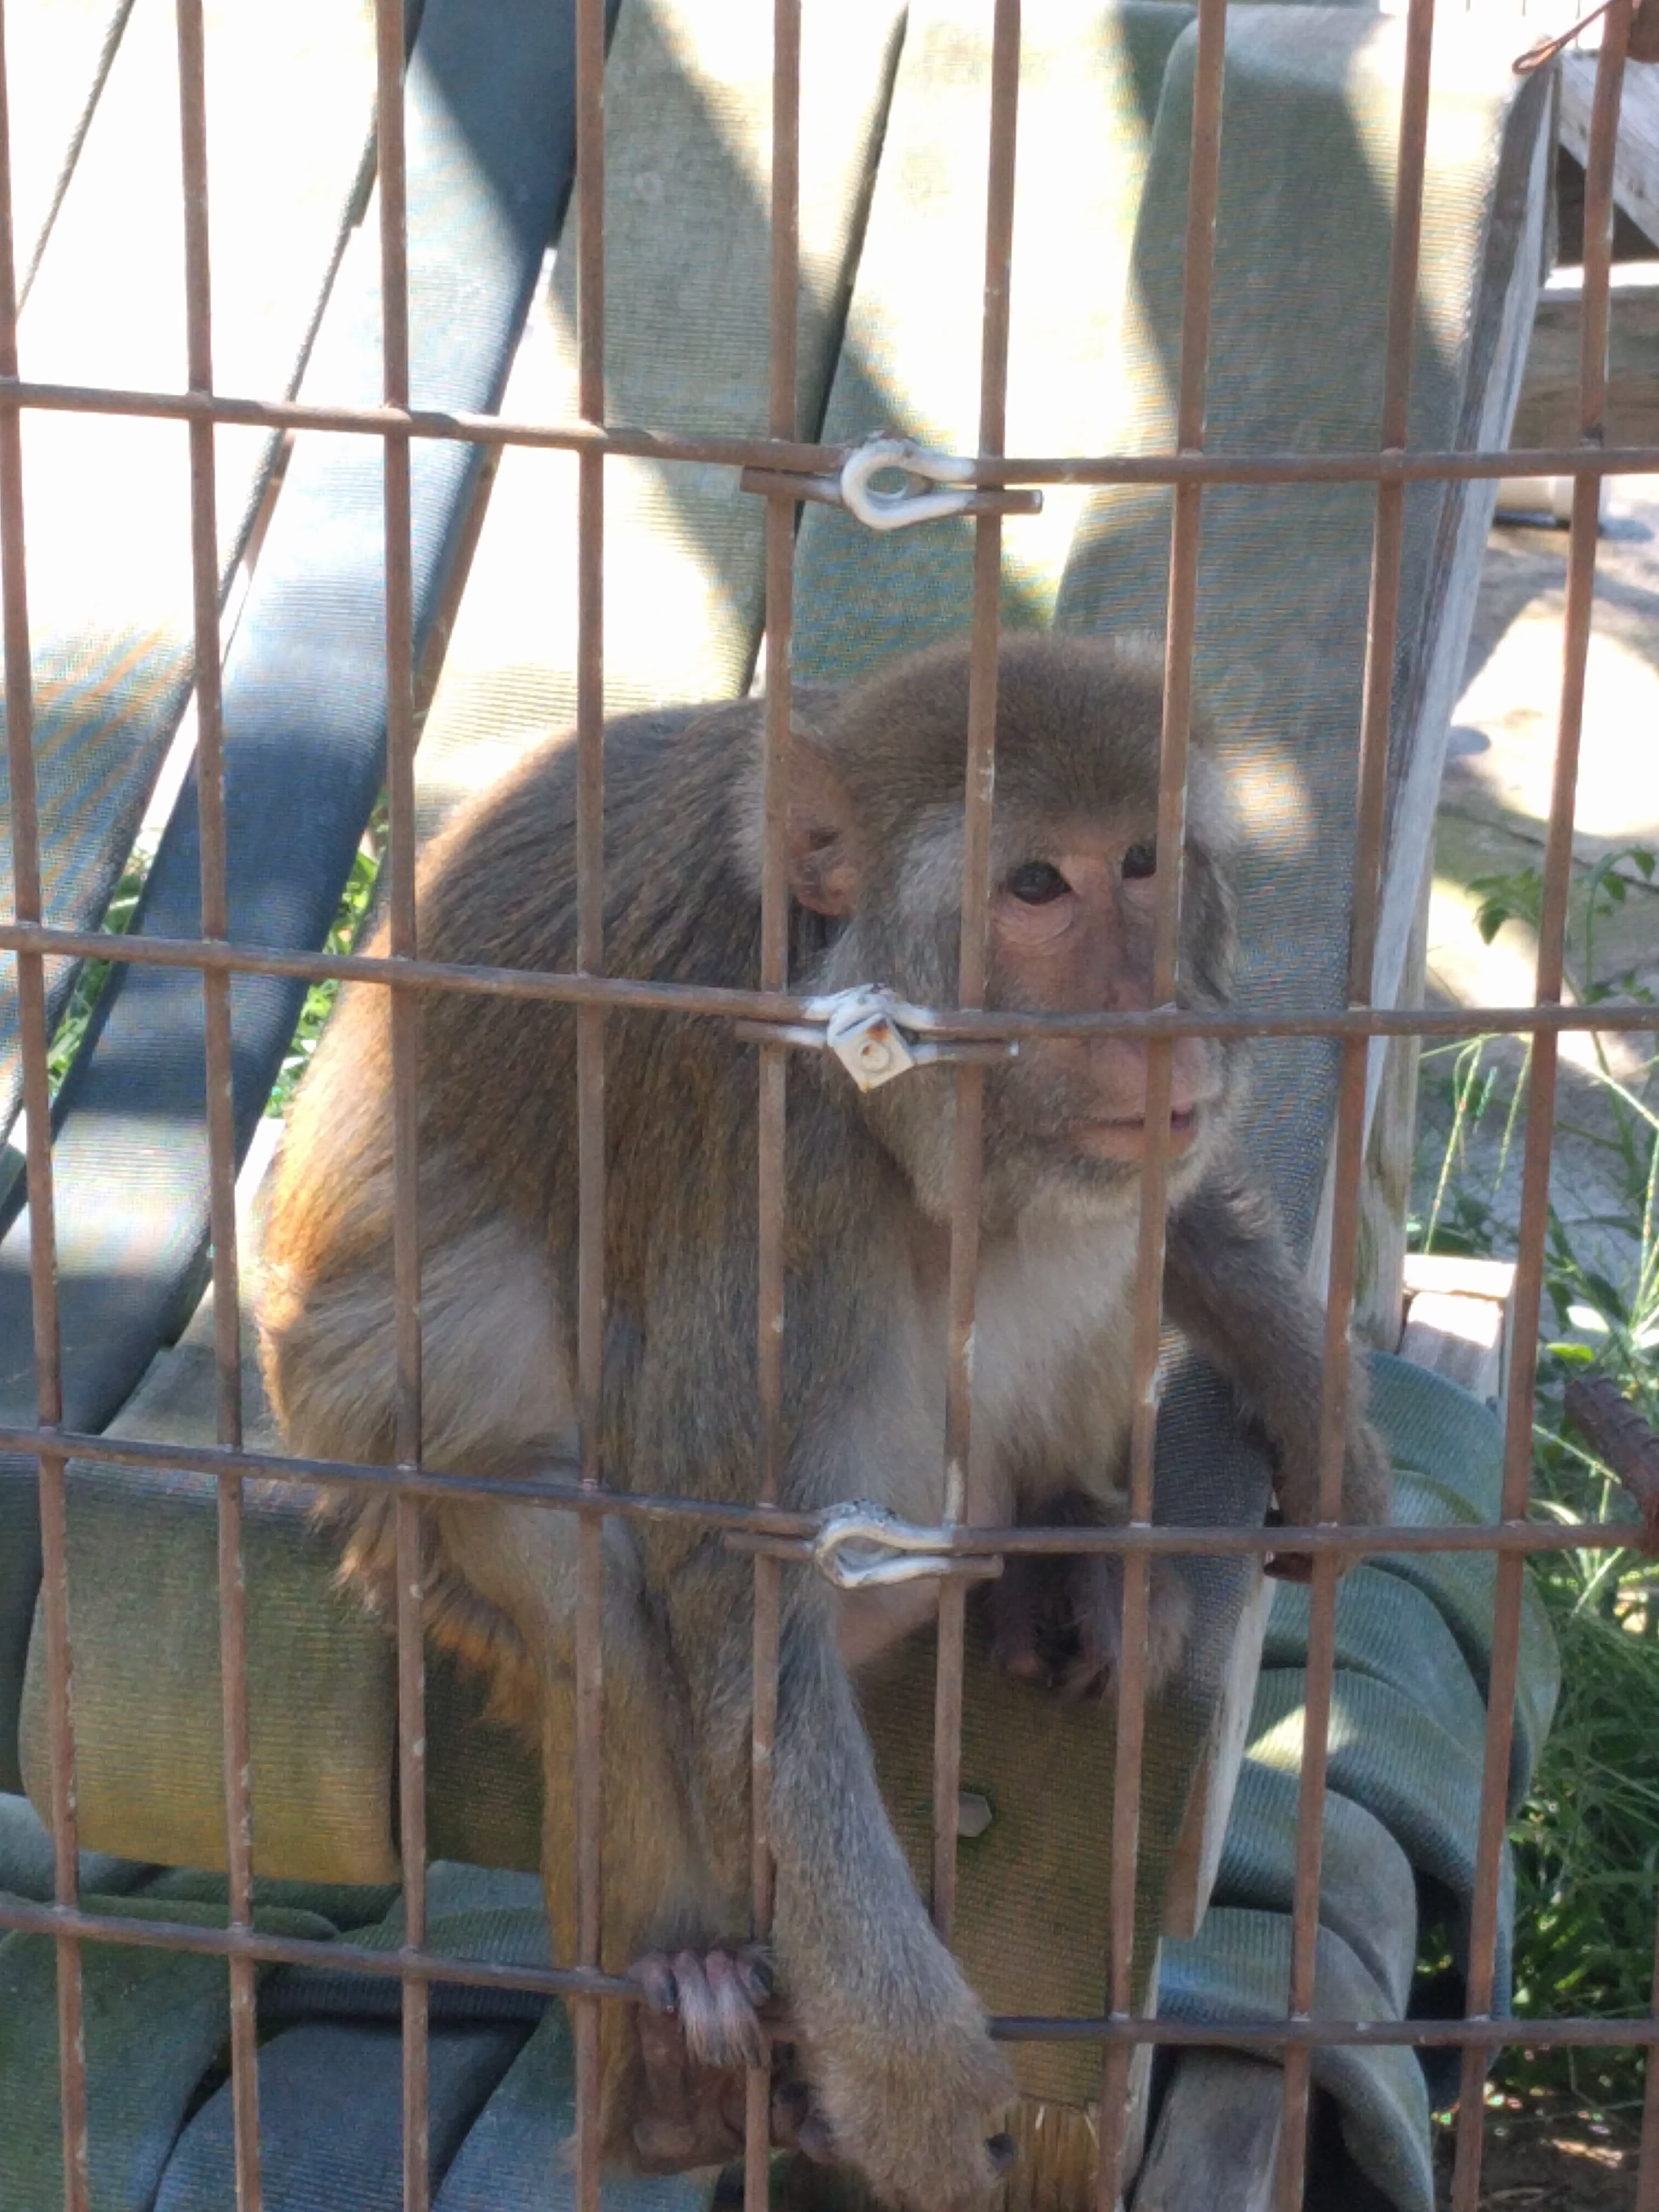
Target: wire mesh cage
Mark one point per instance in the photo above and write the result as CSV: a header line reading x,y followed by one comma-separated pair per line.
x,y
810,458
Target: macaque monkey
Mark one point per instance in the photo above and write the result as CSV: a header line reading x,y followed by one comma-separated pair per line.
x,y
896,2075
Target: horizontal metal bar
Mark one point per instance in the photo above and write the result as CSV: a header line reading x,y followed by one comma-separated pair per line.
x,y
569,1981
301,1951
807,460
769,1529
573,1496
826,491
1282,2034
630,996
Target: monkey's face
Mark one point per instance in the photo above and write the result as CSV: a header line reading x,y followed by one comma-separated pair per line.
x,y
1073,917
1071,930
877,826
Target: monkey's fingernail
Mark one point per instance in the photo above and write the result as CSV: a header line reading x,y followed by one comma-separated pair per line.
x,y
755,1977
656,1978
1001,2148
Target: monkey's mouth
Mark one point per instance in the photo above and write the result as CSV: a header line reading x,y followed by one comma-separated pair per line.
x,y
1124,1137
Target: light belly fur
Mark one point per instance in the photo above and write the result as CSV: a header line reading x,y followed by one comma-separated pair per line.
x,y
1051,1362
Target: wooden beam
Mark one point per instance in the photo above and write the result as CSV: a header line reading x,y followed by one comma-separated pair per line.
x,y
1636,161
1216,2148
1457,1319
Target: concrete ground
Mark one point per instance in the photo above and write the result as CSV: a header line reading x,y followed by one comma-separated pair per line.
x,y
1494,810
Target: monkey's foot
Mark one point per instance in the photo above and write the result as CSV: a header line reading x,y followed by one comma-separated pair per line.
x,y
710,2016
1058,1622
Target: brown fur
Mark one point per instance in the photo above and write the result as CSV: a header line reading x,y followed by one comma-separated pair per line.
x,y
903,2077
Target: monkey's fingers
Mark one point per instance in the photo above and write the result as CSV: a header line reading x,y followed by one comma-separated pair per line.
x,y
1286,1566
716,2010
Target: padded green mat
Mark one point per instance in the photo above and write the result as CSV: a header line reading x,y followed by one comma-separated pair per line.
x,y
688,161
1408,1728
161,2131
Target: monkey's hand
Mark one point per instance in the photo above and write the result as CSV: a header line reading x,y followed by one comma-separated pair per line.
x,y
708,2018
1367,1482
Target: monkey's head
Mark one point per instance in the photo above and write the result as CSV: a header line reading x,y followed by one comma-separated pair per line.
x,y
875,852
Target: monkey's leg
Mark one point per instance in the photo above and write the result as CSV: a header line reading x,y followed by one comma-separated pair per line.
x,y
1057,1619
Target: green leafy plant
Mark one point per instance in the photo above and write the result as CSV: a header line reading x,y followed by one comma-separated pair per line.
x,y
1587,1838
93,975
350,922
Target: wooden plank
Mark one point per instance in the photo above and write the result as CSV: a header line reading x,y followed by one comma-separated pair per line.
x,y
1385,1186
1457,1275
1548,411
1197,1854
1457,1319
1636,161
1216,2147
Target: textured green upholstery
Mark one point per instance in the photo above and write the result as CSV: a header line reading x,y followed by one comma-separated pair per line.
x,y
687,163
155,2022
1090,79
1408,1728
159,2129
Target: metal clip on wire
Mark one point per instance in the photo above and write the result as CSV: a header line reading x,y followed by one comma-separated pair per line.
x,y
864,1547
873,1035
854,486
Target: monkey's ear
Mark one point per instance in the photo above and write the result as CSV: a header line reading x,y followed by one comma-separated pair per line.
x,y
823,868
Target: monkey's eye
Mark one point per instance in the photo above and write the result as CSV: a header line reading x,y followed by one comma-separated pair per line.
x,y
1140,859
1036,882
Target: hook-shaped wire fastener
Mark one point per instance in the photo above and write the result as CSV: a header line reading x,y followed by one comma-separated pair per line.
x,y
873,1035
862,1545
854,486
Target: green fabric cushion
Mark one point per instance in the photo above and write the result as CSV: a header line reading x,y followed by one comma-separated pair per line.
x,y
144,1612
1367,1893
1237,1968
155,2022
1090,81
688,109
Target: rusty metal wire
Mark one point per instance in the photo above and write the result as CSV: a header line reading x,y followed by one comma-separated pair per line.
x,y
236,1756
786,469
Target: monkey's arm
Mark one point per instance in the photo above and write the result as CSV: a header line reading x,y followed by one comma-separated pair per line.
x,y
902,2069
1231,1285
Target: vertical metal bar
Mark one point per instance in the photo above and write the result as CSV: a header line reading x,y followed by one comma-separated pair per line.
x,y
967,1163
1540,1104
590,1071
222,1144
774,966
43,1242
1186,530
390,48
1382,626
